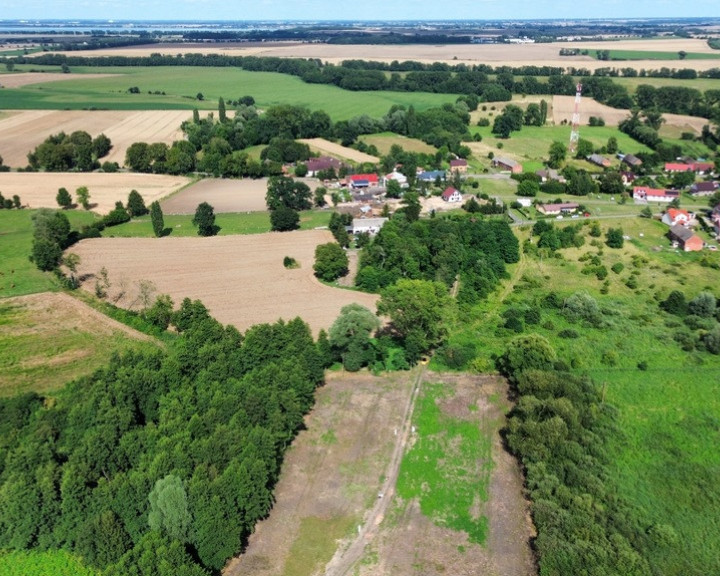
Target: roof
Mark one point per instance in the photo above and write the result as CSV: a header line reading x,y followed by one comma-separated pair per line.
x,y
449,192
431,175
702,166
632,160
322,163
654,191
368,222
704,186
597,159
505,161
681,233
674,213
677,167
561,207
364,177
458,162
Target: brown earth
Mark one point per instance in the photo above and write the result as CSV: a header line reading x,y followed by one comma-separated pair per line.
x,y
563,107
326,147
224,195
241,279
20,79
22,131
38,189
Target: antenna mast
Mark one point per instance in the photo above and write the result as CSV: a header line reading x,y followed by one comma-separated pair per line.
x,y
575,133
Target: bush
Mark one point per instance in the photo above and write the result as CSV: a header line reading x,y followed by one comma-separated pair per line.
x,y
582,307
457,356
568,333
290,262
618,267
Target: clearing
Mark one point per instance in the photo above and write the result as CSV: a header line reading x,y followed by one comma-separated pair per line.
x,y
23,130
241,279
326,147
38,189
51,338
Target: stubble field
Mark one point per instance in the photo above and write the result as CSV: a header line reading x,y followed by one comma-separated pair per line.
x,y
241,279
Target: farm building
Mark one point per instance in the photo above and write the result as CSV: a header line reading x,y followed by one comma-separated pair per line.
x,y
322,164
550,174
599,160
363,180
677,167
398,177
645,194
431,175
451,195
459,165
676,217
704,189
686,238
556,209
631,160
690,165
507,164
369,225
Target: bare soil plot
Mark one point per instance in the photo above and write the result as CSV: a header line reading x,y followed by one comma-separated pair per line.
x,y
327,147
20,79
21,132
38,189
241,279
51,338
563,107
226,196
330,476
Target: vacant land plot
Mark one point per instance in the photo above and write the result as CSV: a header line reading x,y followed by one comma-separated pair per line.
x,y
38,189
51,338
22,131
563,107
26,78
384,141
327,147
241,279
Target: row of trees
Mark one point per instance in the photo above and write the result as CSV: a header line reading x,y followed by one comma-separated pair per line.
x,y
162,462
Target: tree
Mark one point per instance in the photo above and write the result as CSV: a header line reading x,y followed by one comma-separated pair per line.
x,y
222,114
63,198
284,219
101,145
169,509
393,189
584,148
528,352
83,197
161,312
528,188
612,145
284,191
411,206
331,262
156,217
418,312
136,204
614,238
319,196
349,335
581,184
557,154
611,183
204,219
50,237
703,305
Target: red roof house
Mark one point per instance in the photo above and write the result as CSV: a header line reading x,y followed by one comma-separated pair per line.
x,y
677,167
363,180
674,216
451,195
644,194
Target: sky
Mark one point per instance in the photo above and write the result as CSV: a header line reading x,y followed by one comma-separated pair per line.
x,y
351,9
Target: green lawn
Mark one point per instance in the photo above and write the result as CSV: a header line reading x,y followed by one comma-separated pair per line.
x,y
17,274
652,55
182,84
55,563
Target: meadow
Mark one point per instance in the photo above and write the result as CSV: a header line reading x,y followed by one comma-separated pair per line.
x,y
616,55
57,563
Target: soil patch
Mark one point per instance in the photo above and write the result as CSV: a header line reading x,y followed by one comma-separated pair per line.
x,y
20,79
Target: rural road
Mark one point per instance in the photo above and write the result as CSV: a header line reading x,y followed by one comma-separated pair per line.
x,y
345,558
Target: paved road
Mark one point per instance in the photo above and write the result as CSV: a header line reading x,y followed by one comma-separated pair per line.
x,y
346,558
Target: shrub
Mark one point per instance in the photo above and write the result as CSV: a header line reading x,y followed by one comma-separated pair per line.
x,y
290,262
618,267
582,307
457,356
568,333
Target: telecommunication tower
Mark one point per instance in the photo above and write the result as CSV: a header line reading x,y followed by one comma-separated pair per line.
x,y
575,132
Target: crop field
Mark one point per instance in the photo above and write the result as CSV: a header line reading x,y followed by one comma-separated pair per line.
x,y
224,196
38,189
386,140
181,86
241,279
20,79
326,147
49,339
22,131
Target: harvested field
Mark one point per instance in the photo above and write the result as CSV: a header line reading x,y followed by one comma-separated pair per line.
x,y
23,130
38,189
326,147
51,338
19,79
226,196
563,107
241,279
383,142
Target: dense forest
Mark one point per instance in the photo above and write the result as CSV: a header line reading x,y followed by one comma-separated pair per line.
x,y
161,463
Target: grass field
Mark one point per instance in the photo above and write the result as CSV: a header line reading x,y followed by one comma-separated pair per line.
x,y
182,84
385,140
17,274
654,55
448,467
55,563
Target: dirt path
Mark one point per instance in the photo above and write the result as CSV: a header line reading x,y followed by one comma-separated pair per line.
x,y
346,558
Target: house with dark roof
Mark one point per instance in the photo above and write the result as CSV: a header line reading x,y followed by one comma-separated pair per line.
x,y
507,164
631,160
459,165
704,189
431,175
451,195
322,164
599,160
627,178
550,174
686,238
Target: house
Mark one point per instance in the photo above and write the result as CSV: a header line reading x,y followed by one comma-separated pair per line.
x,y
686,238
398,177
677,167
631,160
322,164
690,165
599,160
369,225
645,194
451,195
627,178
363,180
704,188
507,164
702,167
676,217
715,218
459,165
550,174
555,209
431,176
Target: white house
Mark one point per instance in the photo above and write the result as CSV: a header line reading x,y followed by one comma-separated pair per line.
x,y
370,225
451,195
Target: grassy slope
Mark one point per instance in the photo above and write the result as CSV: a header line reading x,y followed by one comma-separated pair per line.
x,y
182,84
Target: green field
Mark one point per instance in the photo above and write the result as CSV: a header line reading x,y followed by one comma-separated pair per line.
x,y
447,469
55,563
17,274
653,55
182,84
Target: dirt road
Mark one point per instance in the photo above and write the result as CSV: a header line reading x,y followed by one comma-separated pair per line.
x,y
347,557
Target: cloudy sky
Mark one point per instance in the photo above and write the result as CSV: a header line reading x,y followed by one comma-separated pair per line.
x,y
350,9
